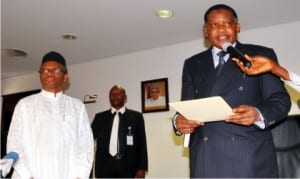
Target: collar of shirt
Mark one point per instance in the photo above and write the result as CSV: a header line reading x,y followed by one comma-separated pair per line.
x,y
215,55
51,95
121,110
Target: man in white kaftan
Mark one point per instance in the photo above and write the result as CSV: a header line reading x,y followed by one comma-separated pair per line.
x,y
50,131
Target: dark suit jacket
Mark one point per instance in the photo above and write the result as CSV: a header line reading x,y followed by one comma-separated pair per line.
x,y
135,156
220,149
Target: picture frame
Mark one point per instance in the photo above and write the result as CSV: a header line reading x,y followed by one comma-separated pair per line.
x,y
155,95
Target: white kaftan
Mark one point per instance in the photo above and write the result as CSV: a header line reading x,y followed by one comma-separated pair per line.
x,y
52,135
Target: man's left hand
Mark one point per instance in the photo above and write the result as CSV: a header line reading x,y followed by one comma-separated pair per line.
x,y
243,115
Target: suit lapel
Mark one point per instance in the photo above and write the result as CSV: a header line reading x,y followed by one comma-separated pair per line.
x,y
205,74
230,74
207,69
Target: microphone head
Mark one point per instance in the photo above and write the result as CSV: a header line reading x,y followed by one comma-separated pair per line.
x,y
226,45
12,155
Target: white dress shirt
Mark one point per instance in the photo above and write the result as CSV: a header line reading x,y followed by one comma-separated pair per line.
x,y
294,82
52,136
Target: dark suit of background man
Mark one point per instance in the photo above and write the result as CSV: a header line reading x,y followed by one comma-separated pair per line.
x,y
242,145
131,159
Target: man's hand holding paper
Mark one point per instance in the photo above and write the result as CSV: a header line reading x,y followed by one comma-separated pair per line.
x,y
244,115
186,126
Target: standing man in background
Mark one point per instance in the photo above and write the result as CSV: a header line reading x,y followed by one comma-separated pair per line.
x,y
121,140
241,146
50,131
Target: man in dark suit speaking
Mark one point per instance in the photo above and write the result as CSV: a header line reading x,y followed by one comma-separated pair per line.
x,y
121,140
241,146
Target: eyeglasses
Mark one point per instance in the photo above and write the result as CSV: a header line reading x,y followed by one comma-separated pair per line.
x,y
45,71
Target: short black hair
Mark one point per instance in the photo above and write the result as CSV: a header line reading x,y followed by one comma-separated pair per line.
x,y
218,7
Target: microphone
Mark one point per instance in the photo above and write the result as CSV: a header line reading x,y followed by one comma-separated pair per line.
x,y
7,162
227,47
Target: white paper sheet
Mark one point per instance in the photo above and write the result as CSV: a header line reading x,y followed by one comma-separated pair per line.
x,y
205,110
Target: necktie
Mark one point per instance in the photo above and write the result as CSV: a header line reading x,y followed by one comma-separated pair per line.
x,y
221,64
113,144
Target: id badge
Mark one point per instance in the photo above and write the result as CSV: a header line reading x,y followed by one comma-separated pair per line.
x,y
129,139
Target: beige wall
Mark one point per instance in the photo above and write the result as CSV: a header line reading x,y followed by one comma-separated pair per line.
x,y
167,157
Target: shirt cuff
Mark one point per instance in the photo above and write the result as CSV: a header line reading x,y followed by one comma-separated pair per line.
x,y
175,126
294,78
261,122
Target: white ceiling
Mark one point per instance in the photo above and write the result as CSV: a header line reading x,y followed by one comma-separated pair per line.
x,y
113,27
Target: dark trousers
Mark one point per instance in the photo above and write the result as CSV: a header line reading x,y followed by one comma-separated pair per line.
x,y
113,168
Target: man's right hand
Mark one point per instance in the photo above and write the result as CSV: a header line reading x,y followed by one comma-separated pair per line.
x,y
186,126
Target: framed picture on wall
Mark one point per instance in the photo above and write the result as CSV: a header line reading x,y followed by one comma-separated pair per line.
x,y
155,96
